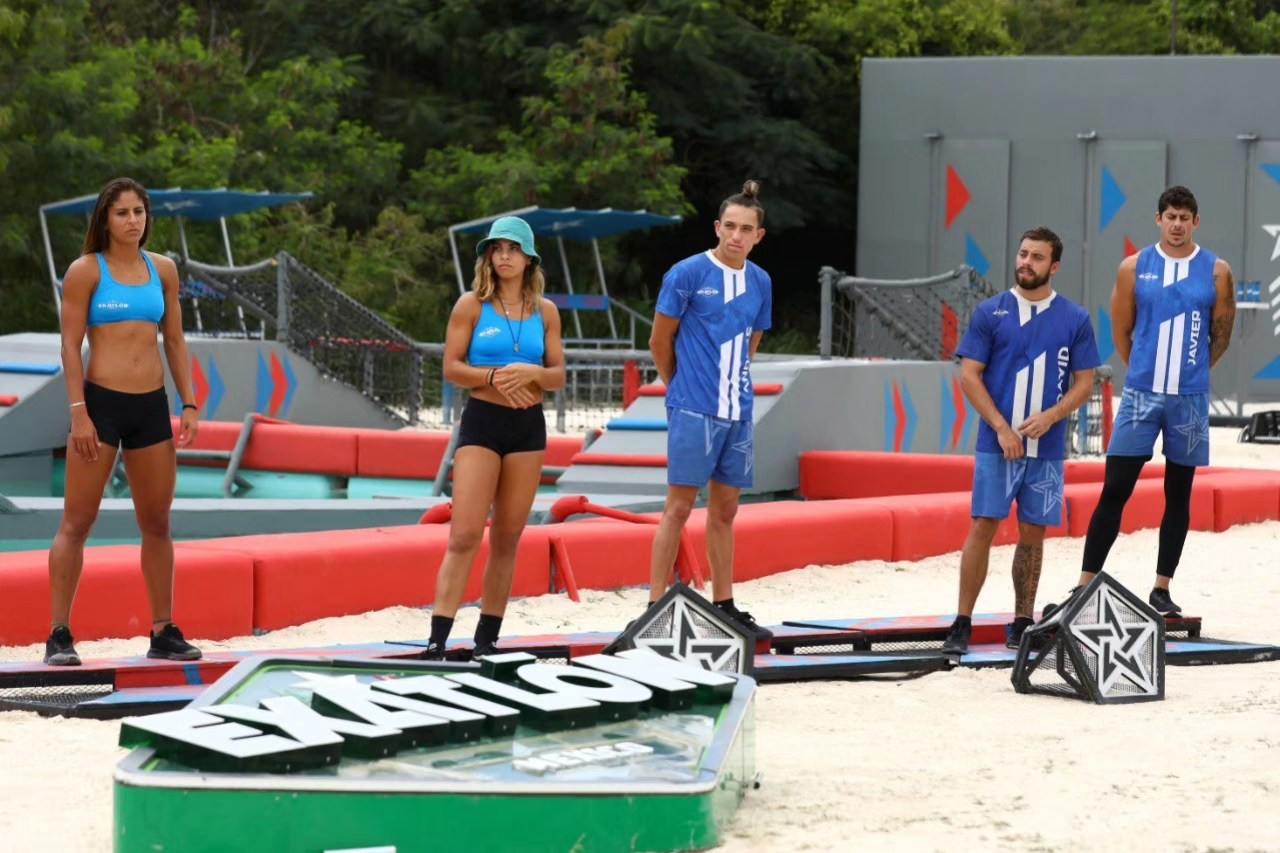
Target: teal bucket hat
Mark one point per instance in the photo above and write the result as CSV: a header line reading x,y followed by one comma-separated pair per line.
x,y
511,228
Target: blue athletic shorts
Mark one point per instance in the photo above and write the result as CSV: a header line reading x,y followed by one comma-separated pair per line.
x,y
1183,418
701,448
1036,484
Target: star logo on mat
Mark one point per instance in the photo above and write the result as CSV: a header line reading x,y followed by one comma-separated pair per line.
x,y
694,638
1050,488
1196,430
1123,642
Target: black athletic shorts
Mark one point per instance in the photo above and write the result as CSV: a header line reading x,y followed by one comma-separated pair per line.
x,y
502,429
133,420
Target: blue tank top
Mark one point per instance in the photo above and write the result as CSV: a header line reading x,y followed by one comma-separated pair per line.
x,y
113,302
494,340
1174,300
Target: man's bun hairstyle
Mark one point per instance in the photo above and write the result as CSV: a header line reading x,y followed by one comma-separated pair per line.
x,y
748,197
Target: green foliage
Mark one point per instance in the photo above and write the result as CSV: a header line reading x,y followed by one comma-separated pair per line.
x,y
404,116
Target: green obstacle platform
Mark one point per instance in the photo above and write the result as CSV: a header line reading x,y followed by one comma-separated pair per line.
x,y
611,753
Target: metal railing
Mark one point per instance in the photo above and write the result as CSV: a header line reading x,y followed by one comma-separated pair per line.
x,y
285,300
918,318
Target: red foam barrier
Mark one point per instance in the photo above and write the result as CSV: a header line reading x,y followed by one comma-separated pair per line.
x,y
298,577
630,460
213,596
562,569
826,474
301,449
212,435
777,537
1244,498
608,554
8,400
760,389
410,454
1144,509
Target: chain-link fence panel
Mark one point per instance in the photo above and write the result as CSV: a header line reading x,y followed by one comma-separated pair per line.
x,y
919,319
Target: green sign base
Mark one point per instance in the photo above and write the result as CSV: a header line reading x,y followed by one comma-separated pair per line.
x,y
689,772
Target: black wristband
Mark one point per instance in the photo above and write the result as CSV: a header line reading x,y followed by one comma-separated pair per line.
x,y
186,406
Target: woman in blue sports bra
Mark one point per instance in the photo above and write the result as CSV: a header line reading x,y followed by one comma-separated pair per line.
x,y
119,296
503,344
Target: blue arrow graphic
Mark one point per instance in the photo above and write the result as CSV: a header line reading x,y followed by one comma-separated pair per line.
x,y
1113,198
911,419
1272,169
974,257
1106,341
217,388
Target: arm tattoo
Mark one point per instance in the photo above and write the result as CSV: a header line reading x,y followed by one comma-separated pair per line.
x,y
1027,560
1224,318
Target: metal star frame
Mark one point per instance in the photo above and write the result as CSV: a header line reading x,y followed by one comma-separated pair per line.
x,y
684,625
1103,644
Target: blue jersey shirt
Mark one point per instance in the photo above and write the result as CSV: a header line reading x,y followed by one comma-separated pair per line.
x,y
1173,301
1030,350
719,308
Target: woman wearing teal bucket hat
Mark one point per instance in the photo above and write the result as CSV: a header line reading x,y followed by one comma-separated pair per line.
x,y
503,344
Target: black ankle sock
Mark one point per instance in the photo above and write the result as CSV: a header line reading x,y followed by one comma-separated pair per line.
x,y
487,628
440,628
728,602
1024,620
961,619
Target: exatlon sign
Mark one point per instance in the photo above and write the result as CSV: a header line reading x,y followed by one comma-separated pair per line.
x,y
633,751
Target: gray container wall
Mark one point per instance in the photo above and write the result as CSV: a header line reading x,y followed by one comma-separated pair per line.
x,y
960,156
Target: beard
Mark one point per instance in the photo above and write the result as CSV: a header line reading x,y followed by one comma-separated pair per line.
x,y
1030,283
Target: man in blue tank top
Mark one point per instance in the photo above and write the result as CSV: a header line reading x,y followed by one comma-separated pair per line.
x,y
712,310
1171,314
1020,351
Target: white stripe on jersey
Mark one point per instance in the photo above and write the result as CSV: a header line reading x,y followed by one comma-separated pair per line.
x,y
726,369
1162,356
735,385
1037,400
1019,413
1175,352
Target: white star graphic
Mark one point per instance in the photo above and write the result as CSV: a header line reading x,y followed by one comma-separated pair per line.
x,y
690,641
1125,651
1274,231
1196,430
744,447
1141,404
1049,488
1013,475
710,429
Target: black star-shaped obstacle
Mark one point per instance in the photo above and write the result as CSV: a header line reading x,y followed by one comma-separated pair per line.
x,y
1124,649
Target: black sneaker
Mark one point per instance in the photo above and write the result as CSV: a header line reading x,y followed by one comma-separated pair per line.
x,y
433,651
169,644
1162,603
484,650
957,642
761,633
1014,630
59,649
1049,609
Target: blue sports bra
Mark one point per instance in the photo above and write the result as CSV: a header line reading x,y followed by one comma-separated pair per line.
x,y
493,340
113,302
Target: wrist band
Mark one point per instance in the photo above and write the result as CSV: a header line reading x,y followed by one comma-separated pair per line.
x,y
190,406
81,403
492,371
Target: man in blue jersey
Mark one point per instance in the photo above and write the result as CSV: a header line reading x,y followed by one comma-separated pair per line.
x,y
1171,314
712,310
1021,349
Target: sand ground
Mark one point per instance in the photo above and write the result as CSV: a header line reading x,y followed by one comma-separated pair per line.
x,y
952,760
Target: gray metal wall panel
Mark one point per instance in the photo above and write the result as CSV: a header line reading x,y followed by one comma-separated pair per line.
x,y
889,209
1043,104
971,223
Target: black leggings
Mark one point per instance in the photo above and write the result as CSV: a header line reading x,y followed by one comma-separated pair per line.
x,y
1121,476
